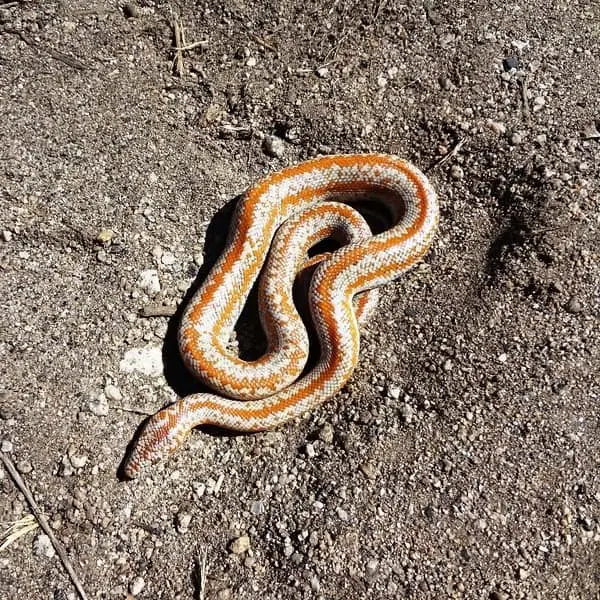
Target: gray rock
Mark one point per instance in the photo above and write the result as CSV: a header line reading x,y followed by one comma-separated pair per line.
x,y
273,146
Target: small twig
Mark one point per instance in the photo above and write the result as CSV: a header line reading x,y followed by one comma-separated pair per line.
x,y
137,411
157,310
449,155
71,61
407,85
524,96
201,572
43,524
261,42
189,46
179,43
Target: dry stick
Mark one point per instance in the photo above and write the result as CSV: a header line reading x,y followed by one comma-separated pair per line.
x,y
71,61
524,97
179,43
43,524
157,310
262,42
190,46
137,411
201,572
449,155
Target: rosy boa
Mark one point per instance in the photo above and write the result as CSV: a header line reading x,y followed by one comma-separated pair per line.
x,y
287,213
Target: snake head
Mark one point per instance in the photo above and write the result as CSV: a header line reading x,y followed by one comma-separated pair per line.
x,y
161,435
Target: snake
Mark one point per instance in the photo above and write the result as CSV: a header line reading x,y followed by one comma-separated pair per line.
x,y
274,227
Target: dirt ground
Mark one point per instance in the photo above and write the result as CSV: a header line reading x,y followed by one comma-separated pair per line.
x,y
462,459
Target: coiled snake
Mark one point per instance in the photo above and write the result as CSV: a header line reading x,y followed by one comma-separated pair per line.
x,y
272,230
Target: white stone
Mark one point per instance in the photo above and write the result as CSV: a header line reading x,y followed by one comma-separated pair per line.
x,y
149,282
113,393
137,585
99,406
42,546
146,360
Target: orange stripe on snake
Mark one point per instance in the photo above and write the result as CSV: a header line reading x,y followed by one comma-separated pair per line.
x,y
272,230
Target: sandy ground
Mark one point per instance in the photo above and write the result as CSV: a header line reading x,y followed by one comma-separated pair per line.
x,y
461,460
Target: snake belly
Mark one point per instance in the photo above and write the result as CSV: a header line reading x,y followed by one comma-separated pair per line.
x,y
298,201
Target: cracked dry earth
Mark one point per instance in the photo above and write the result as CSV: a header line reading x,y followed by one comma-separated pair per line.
x,y
461,460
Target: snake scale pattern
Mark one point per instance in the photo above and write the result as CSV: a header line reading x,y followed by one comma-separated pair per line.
x,y
275,225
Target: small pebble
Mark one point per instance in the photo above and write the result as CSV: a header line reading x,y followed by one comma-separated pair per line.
x,y
7,446
288,549
315,584
273,146
510,62
258,507
456,172
168,259
574,305
102,256
199,488
99,406
446,83
309,449
66,468
326,433
7,235
323,72
394,392
372,566
42,546
251,62
105,236
182,522
149,282
147,360
368,470
240,545
516,138
78,461
341,513
24,466
496,126
407,412
538,103
113,393
137,585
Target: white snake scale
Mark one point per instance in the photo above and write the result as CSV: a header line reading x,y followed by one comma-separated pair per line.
x,y
274,226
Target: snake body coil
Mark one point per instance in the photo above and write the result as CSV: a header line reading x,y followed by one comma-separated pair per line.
x,y
274,226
